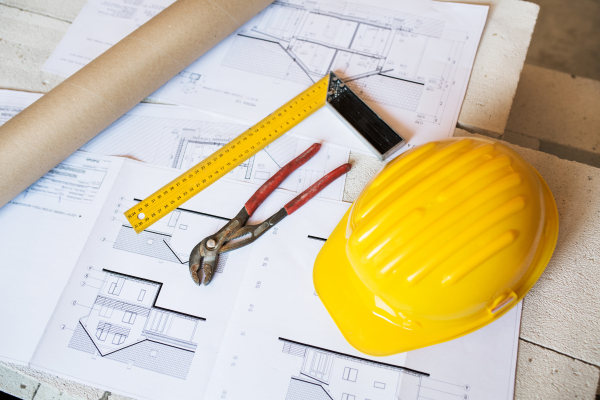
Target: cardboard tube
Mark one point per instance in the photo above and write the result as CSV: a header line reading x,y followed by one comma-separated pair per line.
x,y
52,128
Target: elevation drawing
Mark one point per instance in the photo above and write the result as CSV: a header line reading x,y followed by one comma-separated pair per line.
x,y
171,239
181,144
388,57
329,375
125,325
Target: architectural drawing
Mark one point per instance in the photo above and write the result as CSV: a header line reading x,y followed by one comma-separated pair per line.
x,y
171,239
190,81
158,139
388,57
77,179
193,146
329,375
181,144
125,325
8,111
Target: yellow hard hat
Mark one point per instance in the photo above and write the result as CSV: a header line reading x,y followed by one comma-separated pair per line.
x,y
447,238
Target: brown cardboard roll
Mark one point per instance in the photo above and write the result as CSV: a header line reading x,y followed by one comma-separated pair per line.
x,y
64,119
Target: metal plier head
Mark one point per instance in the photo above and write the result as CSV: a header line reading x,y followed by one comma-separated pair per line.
x,y
235,234
205,255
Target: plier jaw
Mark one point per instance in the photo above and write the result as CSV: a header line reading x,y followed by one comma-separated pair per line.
x,y
205,254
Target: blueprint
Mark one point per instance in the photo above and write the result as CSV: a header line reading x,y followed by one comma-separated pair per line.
x,y
42,232
409,60
130,319
180,138
100,24
126,325
281,343
125,315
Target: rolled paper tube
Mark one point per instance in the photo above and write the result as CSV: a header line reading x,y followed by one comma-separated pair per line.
x,y
48,131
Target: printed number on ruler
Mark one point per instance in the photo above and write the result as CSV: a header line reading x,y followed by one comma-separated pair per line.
x,y
224,160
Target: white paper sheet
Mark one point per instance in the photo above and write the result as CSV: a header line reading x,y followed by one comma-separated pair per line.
x,y
180,137
167,349
282,344
409,60
99,25
13,102
481,365
42,232
130,319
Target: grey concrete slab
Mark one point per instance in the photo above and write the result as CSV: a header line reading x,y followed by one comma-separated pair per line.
x,y
561,111
17,384
26,41
562,311
567,37
64,10
50,386
546,375
498,64
364,167
521,140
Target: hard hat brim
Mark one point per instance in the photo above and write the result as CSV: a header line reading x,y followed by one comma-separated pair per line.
x,y
343,294
350,302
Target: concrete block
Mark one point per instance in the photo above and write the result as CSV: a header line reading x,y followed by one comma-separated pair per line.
x,y
498,64
17,384
364,167
47,392
65,10
562,311
62,387
26,41
558,109
571,153
566,37
546,375
521,140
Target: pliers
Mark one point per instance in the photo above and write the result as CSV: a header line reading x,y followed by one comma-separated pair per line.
x,y
204,255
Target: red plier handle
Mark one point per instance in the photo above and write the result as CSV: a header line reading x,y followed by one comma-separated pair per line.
x,y
273,183
253,232
204,255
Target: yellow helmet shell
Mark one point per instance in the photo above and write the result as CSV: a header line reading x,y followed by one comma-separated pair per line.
x,y
447,238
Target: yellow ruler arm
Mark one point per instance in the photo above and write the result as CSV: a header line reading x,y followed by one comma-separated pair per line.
x,y
224,160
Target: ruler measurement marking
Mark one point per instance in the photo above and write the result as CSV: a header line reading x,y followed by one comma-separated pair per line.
x,y
218,164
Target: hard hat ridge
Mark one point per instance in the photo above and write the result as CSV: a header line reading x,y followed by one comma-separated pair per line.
x,y
445,239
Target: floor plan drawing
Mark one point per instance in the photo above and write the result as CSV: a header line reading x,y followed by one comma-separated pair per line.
x,y
125,325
